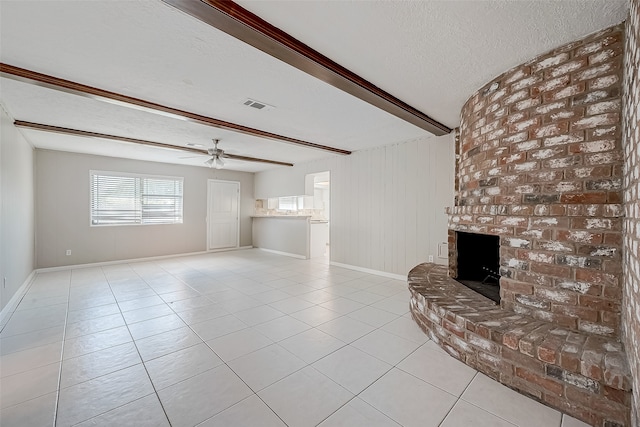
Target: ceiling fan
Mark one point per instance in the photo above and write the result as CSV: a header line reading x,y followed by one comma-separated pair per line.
x,y
216,156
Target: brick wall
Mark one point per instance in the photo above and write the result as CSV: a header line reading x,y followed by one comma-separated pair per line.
x,y
541,166
631,241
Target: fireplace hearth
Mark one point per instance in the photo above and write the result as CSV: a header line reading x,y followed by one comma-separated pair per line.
x,y
478,263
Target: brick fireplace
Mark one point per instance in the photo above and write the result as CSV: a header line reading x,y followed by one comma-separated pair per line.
x,y
540,165
539,168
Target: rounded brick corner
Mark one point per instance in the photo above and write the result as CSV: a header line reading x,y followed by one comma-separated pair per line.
x,y
584,375
540,165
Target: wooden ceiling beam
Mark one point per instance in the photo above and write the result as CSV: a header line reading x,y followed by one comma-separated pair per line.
x,y
51,82
87,134
233,19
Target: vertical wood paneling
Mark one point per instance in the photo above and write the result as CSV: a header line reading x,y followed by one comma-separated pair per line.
x,y
412,192
377,245
421,202
431,214
400,219
389,209
387,203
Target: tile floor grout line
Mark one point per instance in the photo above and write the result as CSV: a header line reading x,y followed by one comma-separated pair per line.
x,y
356,395
187,272
483,409
64,336
489,412
434,385
139,355
255,393
133,340
458,398
212,350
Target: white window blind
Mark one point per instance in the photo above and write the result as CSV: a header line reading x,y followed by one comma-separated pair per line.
x,y
122,199
288,203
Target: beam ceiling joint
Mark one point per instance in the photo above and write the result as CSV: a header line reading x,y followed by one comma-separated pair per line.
x,y
68,86
231,18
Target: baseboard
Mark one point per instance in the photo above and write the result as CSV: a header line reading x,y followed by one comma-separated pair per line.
x,y
239,248
283,253
120,261
17,297
370,271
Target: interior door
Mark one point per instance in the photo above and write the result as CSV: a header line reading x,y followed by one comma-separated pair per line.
x,y
223,225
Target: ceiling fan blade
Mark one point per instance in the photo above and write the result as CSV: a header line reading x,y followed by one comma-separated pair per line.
x,y
255,159
193,157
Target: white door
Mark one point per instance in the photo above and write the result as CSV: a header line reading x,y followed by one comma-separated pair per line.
x,y
223,223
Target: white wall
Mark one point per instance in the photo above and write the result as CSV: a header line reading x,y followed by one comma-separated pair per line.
x,y
62,220
17,209
387,203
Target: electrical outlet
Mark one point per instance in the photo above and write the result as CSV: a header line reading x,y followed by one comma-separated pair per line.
x,y
430,258
68,252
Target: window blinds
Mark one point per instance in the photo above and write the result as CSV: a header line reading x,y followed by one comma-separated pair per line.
x,y
120,199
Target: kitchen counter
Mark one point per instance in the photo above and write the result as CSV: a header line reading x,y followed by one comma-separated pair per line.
x,y
282,216
283,235
300,239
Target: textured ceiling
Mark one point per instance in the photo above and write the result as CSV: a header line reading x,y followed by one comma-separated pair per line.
x,y
430,54
434,54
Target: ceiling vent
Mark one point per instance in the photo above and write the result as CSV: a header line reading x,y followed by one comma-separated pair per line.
x,y
257,104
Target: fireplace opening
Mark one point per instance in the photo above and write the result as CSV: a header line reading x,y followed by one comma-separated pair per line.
x,y
479,263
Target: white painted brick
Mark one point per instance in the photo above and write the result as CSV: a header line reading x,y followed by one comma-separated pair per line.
x,y
580,287
525,167
551,61
562,140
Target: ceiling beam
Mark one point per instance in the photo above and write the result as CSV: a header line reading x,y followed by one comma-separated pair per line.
x,y
231,18
87,134
51,82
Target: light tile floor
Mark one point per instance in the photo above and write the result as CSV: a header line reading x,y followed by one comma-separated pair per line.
x,y
243,338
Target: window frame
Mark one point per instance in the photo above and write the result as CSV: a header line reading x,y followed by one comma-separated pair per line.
x,y
140,182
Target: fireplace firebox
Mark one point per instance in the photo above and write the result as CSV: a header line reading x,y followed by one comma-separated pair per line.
x,y
478,263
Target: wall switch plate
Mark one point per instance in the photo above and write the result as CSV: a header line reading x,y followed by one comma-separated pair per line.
x,y
68,252
430,258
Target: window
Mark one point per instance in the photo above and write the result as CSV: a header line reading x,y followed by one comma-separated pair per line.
x,y
123,199
289,203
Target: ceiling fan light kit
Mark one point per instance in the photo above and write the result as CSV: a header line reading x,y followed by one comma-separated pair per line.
x,y
216,156
215,162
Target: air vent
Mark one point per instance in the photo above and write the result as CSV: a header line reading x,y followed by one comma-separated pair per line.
x,y
257,104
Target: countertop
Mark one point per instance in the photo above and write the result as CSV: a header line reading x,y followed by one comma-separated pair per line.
x,y
282,216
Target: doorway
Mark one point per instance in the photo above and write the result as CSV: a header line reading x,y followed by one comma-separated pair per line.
x,y
223,222
318,185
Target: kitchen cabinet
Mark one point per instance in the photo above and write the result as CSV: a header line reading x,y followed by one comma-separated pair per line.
x,y
319,238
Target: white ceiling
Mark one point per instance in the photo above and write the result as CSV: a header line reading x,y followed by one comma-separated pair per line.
x,y
431,54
